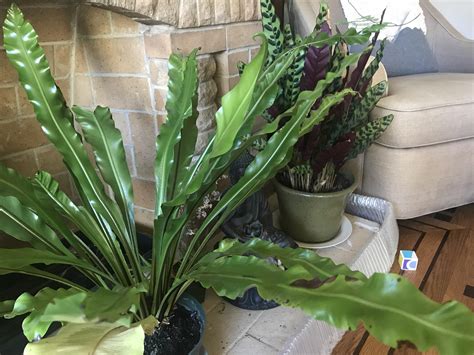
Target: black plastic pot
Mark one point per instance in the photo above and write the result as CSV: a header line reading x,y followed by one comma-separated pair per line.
x,y
183,332
192,305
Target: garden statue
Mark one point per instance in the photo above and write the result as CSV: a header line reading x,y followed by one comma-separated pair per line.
x,y
253,219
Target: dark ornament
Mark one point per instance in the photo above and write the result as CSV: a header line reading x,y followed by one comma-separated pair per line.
x,y
253,219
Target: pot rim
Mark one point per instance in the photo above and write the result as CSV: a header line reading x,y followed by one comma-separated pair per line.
x,y
346,191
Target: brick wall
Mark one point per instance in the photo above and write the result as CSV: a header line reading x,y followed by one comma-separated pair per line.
x,y
100,57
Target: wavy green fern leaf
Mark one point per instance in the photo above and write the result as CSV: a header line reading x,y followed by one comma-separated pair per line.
x,y
390,307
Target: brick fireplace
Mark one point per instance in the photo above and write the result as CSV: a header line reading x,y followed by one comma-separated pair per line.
x,y
115,54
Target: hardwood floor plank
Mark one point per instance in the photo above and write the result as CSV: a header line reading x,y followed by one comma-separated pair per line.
x,y
349,342
463,274
412,224
445,252
425,252
438,223
373,346
464,216
405,350
446,265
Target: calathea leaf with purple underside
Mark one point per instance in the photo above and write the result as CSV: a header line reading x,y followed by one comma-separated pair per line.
x,y
358,72
336,153
316,63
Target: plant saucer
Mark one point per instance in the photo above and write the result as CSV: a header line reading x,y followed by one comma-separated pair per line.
x,y
344,233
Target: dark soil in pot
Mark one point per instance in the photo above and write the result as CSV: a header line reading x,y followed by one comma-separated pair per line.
x,y
178,336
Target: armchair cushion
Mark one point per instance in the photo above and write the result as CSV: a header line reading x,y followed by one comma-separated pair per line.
x,y
428,109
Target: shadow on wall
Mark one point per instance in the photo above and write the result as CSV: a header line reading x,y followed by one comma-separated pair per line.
x,y
408,54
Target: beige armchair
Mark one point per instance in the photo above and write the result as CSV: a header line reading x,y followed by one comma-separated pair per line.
x,y
425,160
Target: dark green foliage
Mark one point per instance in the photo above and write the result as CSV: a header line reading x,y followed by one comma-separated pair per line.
x,y
328,143
359,114
271,28
368,133
128,288
321,19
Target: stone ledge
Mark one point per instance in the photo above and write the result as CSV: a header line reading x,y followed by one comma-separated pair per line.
x,y
191,13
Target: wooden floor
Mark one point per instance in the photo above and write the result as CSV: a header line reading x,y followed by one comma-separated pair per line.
x,y
444,244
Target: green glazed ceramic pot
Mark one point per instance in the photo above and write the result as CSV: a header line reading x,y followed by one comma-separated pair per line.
x,y
312,217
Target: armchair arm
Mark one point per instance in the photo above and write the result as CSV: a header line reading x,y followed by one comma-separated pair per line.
x,y
453,52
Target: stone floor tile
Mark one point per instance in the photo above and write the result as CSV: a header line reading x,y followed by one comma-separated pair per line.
x,y
278,326
226,324
248,345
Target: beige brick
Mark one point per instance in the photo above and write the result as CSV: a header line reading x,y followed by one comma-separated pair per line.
x,y
115,55
206,12
123,25
81,63
62,60
160,100
49,53
206,67
252,10
50,160
65,87
144,193
188,14
83,91
160,119
26,108
121,122
24,163
64,180
7,73
253,52
130,160
20,135
158,45
227,61
222,11
144,220
237,11
143,136
51,24
159,72
207,93
222,83
233,80
93,21
122,93
241,35
8,107
225,84
209,39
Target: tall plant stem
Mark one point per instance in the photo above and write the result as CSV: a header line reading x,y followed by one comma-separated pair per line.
x,y
182,286
51,277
